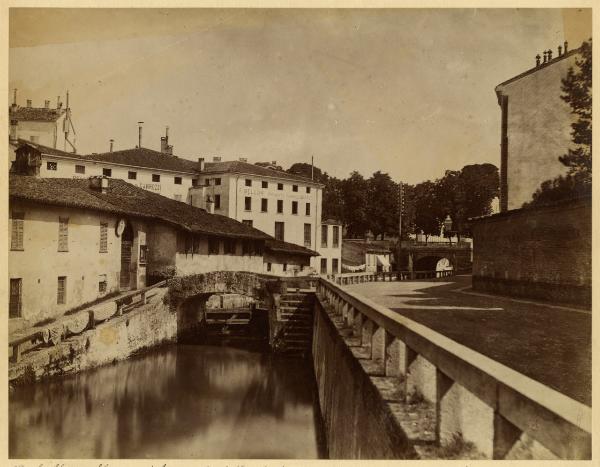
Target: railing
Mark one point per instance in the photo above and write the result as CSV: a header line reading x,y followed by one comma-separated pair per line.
x,y
358,277
76,323
485,402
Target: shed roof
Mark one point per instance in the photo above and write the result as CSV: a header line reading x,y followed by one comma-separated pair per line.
x,y
290,248
123,198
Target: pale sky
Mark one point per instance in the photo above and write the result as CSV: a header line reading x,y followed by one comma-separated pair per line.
x,y
408,92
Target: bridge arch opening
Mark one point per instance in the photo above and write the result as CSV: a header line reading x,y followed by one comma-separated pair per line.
x,y
433,263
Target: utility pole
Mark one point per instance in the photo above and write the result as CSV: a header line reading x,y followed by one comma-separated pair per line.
x,y
400,209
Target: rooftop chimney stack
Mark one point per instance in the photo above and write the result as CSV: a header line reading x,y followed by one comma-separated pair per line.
x,y
46,104
566,44
140,134
28,102
111,144
537,60
14,130
99,183
14,104
210,205
165,148
549,54
559,50
545,57
201,163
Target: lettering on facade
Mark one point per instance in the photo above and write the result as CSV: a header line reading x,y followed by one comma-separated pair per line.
x,y
149,186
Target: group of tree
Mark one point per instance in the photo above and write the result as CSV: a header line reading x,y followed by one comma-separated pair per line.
x,y
577,92
373,204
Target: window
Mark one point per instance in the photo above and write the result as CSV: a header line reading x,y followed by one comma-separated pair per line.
x,y
294,207
308,209
294,187
177,197
308,189
196,246
247,247
248,222
279,230
268,267
103,237
323,236
61,291
259,248
156,178
143,254
107,172
80,169
336,236
177,180
196,182
248,182
217,201
323,265
102,283
248,203
63,234
280,186
229,247
334,265
17,227
279,206
131,175
307,235
217,181
284,267
213,246
264,205
14,305
51,165
265,184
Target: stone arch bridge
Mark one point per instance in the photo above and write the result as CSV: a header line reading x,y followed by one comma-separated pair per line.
x,y
424,256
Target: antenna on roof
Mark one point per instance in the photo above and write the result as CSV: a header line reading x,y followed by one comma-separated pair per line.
x,y
68,126
140,134
312,167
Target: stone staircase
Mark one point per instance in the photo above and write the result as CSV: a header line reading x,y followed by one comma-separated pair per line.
x,y
295,323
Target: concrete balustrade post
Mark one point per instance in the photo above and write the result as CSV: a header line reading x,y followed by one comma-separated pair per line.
x,y
505,436
395,356
345,307
420,377
367,333
350,313
378,344
357,323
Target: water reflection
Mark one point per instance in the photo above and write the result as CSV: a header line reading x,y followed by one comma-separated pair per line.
x,y
176,402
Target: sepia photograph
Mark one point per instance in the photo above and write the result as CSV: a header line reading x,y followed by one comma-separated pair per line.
x,y
298,233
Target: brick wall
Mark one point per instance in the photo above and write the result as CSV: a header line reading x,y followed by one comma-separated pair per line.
x,y
542,253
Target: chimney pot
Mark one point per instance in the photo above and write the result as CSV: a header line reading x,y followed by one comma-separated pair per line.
x,y
99,183
273,162
15,97
545,57
566,44
537,60
559,50
210,204
201,163
111,144
28,102
140,134
549,54
14,125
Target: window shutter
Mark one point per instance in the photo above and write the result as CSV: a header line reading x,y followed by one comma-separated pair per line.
x,y
16,238
63,234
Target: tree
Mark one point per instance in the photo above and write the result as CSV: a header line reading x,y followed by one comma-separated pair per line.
x,y
577,92
354,194
382,198
305,170
427,207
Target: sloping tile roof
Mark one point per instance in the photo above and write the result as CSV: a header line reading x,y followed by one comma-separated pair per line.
x,y
253,169
286,247
48,150
148,158
125,199
35,114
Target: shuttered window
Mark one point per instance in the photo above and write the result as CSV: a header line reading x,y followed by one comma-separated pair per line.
x,y
61,292
307,235
14,306
279,231
336,236
103,237
324,236
17,226
63,234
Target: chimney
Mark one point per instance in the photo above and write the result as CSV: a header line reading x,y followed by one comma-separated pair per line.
x,y
99,183
14,104
210,205
112,141
14,134
164,143
549,54
537,60
140,134
46,104
28,102
273,162
216,158
560,50
243,159
566,44
201,163
58,103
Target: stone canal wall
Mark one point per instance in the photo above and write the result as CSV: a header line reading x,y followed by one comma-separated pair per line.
x,y
145,326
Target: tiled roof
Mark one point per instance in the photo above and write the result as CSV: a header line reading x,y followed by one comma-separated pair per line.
x,y
48,150
35,114
143,157
253,169
286,247
125,199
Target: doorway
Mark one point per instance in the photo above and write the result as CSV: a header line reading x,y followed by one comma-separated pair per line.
x,y
126,247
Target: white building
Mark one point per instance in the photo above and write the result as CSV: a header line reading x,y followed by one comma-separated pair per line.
x,y
284,205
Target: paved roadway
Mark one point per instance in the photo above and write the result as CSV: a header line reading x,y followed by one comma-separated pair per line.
x,y
547,343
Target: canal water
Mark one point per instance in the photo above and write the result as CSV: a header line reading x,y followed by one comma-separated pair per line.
x,y
180,401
